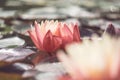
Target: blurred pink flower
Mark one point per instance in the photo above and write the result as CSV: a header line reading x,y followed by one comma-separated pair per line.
x,y
112,30
50,36
92,60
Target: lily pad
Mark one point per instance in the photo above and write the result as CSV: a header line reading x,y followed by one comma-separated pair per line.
x,y
7,14
11,42
14,70
42,13
10,55
21,28
78,12
50,71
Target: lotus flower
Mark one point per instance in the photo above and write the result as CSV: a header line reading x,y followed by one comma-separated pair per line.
x,y
50,36
92,60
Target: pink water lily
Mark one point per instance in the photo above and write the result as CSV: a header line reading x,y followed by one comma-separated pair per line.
x,y
92,60
52,35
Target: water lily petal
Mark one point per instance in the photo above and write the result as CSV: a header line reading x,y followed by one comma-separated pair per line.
x,y
76,34
57,32
34,38
71,27
51,42
39,35
66,34
49,26
42,28
57,42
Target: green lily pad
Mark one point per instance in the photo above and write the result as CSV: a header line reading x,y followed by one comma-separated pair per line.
x,y
11,42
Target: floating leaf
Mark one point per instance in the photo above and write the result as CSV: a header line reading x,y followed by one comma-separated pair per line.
x,y
11,42
42,13
14,54
50,71
50,67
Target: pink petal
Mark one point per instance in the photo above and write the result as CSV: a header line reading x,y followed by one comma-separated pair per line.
x,y
49,25
34,38
57,32
57,42
64,77
42,29
39,35
71,27
66,34
76,34
51,43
